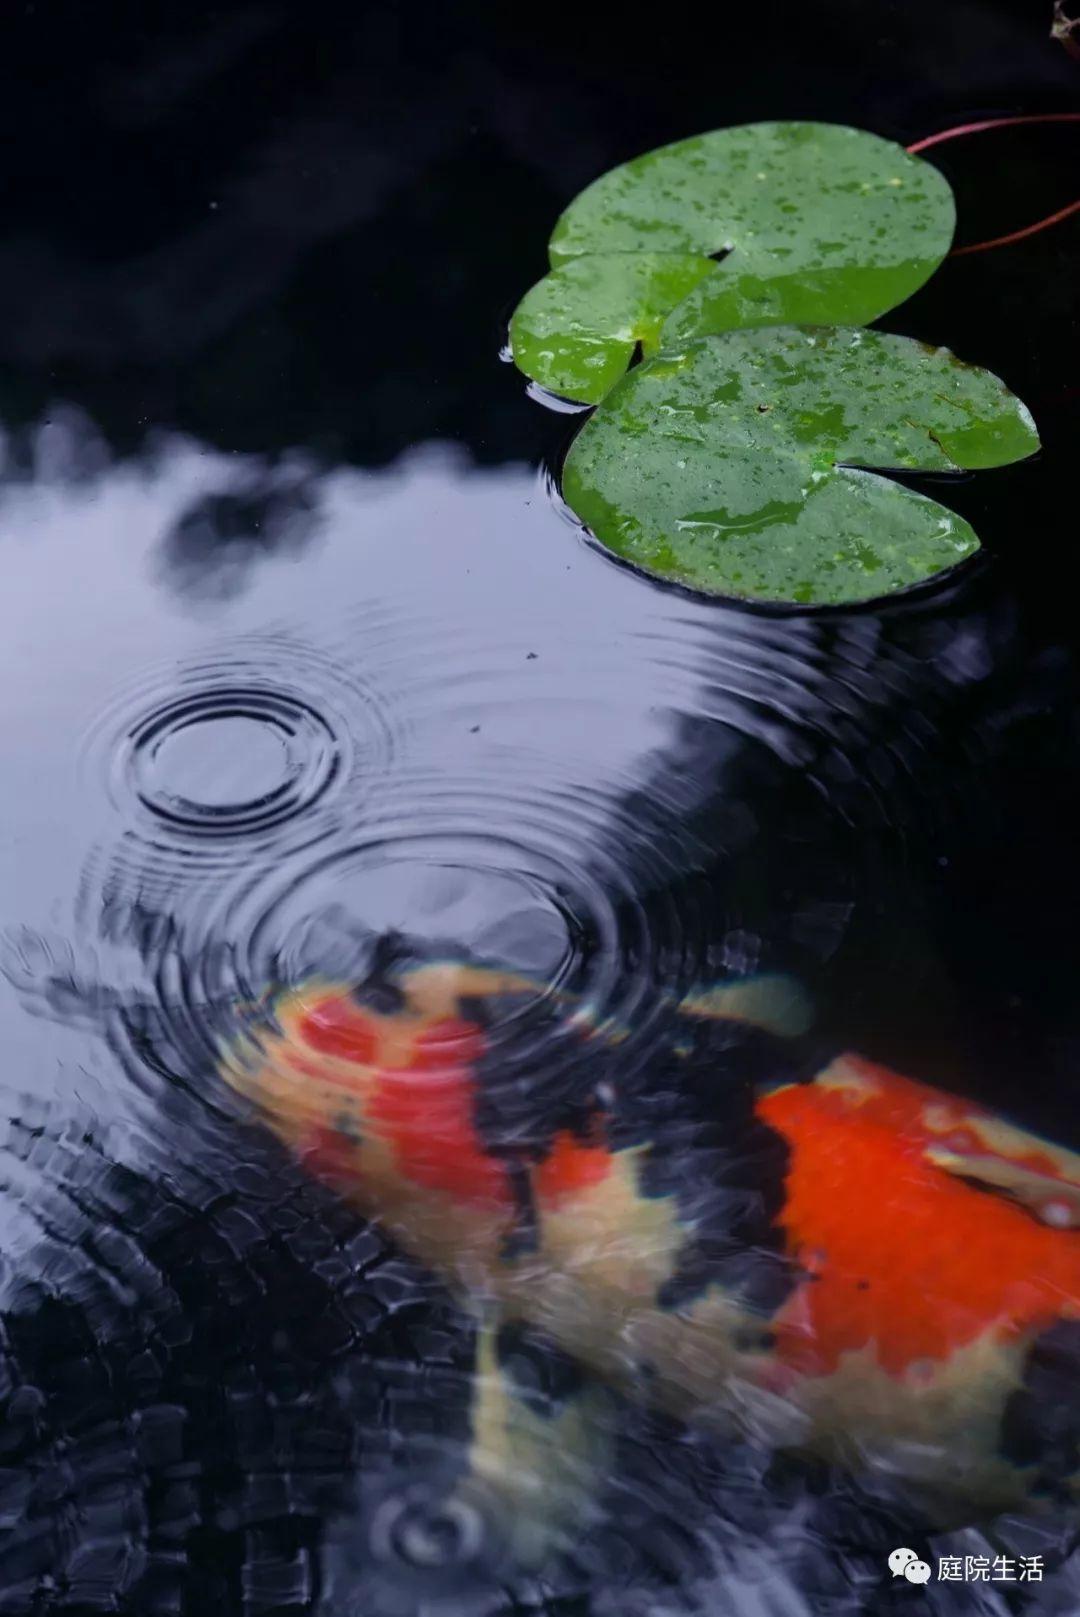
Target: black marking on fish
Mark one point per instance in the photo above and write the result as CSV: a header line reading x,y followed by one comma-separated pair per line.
x,y
377,994
539,1079
525,1235
543,1376
478,1008
727,1170
346,1124
1041,1423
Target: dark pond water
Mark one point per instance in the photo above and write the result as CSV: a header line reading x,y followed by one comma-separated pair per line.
x,y
298,650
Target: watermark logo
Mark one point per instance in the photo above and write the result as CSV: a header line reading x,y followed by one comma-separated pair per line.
x,y
905,1563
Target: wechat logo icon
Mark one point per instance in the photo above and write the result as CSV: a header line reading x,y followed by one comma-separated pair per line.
x,y
906,1564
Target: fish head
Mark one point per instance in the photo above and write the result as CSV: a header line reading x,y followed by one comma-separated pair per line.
x,y
372,1086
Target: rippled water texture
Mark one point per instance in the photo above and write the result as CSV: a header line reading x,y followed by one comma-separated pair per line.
x,y
299,652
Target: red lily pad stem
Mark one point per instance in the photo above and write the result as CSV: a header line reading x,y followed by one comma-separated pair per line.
x,y
1004,123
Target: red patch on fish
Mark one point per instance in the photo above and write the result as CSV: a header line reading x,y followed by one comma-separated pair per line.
x,y
425,1113
424,1110
904,1256
337,1027
329,1155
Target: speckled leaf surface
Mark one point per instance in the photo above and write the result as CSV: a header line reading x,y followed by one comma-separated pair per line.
x,y
555,334
739,464
819,223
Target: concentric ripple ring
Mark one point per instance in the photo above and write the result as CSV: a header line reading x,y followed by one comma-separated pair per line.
x,y
230,759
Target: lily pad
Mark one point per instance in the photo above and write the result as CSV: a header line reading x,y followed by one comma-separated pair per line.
x,y
738,464
819,224
555,335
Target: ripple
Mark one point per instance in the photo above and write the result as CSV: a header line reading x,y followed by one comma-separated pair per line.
x,y
493,902
420,1542
502,789
488,808
540,898
236,747
553,401
231,760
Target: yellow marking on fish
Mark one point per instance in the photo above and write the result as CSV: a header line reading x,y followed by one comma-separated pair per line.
x,y
851,1076
775,1003
939,1430
543,1465
1049,1198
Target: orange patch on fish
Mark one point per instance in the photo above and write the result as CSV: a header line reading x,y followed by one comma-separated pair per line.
x,y
570,1167
904,1256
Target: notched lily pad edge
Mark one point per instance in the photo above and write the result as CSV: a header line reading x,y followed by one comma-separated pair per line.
x,y
903,476
587,309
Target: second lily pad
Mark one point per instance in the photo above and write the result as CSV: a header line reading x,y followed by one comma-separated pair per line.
x,y
738,464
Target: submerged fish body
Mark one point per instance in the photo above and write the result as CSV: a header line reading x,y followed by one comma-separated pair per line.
x,y
941,1253
931,1252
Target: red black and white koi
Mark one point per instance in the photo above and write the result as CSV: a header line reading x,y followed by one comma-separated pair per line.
x,y
931,1251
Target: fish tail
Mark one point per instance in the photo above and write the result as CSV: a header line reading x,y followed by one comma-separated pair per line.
x,y
540,1461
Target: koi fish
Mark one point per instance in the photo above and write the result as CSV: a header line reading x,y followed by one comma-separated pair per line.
x,y
930,1251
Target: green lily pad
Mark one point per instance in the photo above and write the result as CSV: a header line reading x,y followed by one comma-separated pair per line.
x,y
820,224
555,335
737,464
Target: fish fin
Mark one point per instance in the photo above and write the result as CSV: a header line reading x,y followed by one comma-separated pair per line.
x,y
542,1439
438,988
775,1002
